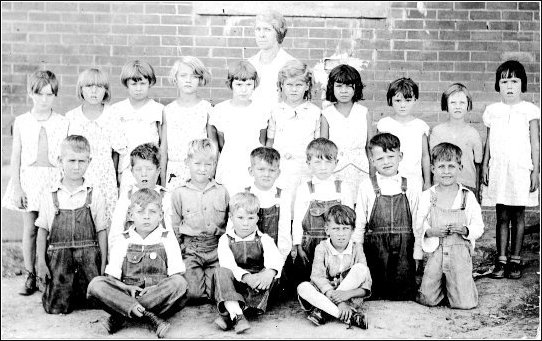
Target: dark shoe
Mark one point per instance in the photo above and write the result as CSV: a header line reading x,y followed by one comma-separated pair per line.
x,y
241,324
251,312
498,270
224,322
157,323
514,270
29,285
316,317
359,320
114,323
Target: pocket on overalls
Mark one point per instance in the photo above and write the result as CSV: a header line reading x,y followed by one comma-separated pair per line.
x,y
134,258
317,209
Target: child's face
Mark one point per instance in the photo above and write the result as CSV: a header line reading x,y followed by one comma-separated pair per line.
x,y
138,90
93,94
146,219
145,172
294,89
264,174
386,162
339,234
201,167
74,164
322,168
510,89
343,92
402,106
457,105
445,172
43,101
242,90
266,36
244,223
187,81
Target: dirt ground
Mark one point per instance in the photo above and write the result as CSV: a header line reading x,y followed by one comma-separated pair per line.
x,y
507,309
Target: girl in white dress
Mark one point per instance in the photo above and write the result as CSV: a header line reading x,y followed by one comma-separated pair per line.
x,y
37,136
185,119
101,125
349,123
241,125
140,116
511,165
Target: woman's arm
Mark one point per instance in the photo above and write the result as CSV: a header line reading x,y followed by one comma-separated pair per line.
x,y
426,163
163,151
20,196
324,127
263,136
485,162
534,131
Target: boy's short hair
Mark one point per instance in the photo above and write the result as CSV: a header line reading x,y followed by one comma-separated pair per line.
x,y
446,152
277,21
296,69
386,141
205,146
405,86
509,69
77,143
195,64
137,70
142,198
39,80
453,89
341,215
322,148
146,151
344,74
267,154
93,77
243,71
245,200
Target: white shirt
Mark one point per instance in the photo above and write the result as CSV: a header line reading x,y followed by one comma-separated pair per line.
x,y
323,190
117,253
272,258
473,214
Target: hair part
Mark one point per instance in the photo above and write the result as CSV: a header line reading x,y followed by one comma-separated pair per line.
x,y
510,69
245,200
296,69
91,77
267,154
322,148
243,71
405,86
197,68
39,80
453,89
136,71
341,215
202,146
386,141
77,143
446,152
276,20
344,74
146,151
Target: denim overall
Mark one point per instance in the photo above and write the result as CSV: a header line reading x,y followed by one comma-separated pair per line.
x,y
74,257
452,259
268,221
250,257
389,246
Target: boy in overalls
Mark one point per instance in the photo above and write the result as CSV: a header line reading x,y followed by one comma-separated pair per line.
x,y
72,235
385,207
144,275
449,220
250,265
312,200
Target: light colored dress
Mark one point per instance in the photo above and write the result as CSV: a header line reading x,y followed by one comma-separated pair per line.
x,y
104,135
410,134
350,136
241,127
292,130
510,162
139,126
183,125
37,137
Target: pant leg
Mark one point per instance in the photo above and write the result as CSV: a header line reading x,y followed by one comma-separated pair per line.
x,y
58,290
431,290
402,270
167,297
462,292
88,263
194,275
209,267
225,289
258,299
308,293
107,292
358,275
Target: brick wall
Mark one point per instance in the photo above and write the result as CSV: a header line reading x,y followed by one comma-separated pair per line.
x,y
435,43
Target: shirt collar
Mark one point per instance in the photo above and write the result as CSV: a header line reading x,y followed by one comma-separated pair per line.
x,y
59,186
396,178
188,184
273,188
315,180
231,232
334,252
133,234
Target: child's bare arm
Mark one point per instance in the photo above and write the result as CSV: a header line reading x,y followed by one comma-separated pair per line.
x,y
426,163
102,243
534,131
115,156
163,151
20,197
221,140
324,127
263,136
212,134
485,162
41,248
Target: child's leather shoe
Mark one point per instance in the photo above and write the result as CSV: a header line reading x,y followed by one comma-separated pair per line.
x,y
316,317
359,319
114,323
513,270
160,326
29,285
498,270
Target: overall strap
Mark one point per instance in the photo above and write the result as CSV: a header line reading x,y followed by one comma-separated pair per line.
x,y
403,184
311,187
164,234
338,186
464,198
55,201
247,189
376,188
277,195
126,234
89,197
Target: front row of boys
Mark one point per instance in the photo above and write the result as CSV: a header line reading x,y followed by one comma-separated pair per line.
x,y
144,247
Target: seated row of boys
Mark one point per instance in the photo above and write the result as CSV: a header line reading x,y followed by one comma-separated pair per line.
x,y
238,266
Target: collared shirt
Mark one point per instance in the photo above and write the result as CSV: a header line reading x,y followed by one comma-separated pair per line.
x,y
119,215
328,263
70,200
272,257
473,214
195,211
117,253
389,185
323,190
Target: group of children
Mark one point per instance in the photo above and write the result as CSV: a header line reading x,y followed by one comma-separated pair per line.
x,y
304,201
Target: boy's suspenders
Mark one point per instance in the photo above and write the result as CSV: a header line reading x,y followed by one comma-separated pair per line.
x,y
311,187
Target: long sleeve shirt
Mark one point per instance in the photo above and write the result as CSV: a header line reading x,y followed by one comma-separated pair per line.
x,y
272,257
473,214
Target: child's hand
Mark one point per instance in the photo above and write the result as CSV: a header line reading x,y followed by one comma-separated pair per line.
x,y
43,271
438,231
266,277
485,175
345,312
251,280
534,181
338,296
144,290
134,290
302,255
426,185
459,229
19,197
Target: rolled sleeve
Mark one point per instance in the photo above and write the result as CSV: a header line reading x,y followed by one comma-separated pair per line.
x,y
285,222
486,117
301,205
319,272
227,260
413,198
428,244
362,203
97,209
175,264
475,223
117,254
271,127
45,212
117,221
272,257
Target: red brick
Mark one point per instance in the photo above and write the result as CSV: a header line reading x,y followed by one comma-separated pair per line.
x,y
145,40
307,22
470,66
77,17
14,37
455,76
422,75
453,15
44,38
28,6
61,6
407,45
231,42
144,19
469,5
421,55
24,69
324,33
502,5
27,48
227,52
502,46
454,35
510,15
175,20
504,25
95,7
532,6
78,59
518,36
292,33
486,36
439,45
437,66
453,56
423,35
472,46
116,19
196,30
401,65
529,26
160,30
127,7
390,55
54,27
404,4
485,15
185,9
408,24
94,29
471,25
160,9
127,29
95,50
337,23
177,41
14,16
484,56
439,24
439,4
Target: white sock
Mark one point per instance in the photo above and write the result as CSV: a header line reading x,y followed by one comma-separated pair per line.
x,y
233,308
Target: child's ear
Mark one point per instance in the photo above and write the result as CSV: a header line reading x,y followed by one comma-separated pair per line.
x,y
433,169
250,171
